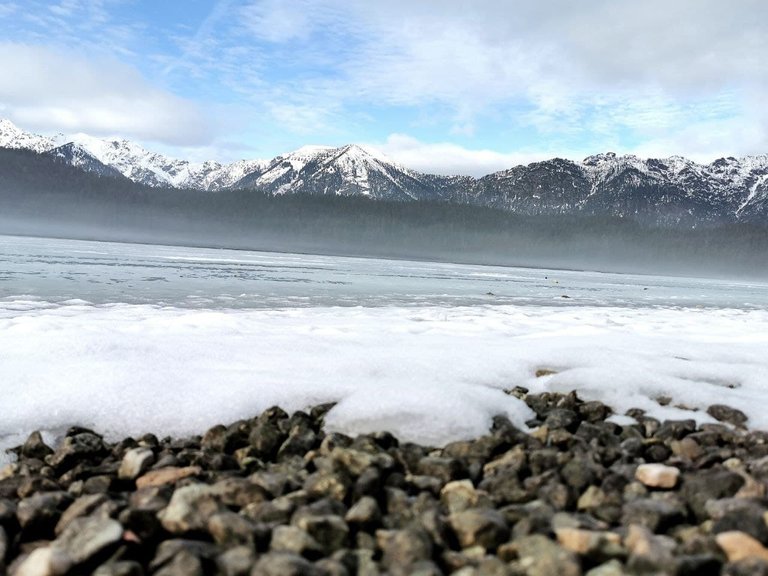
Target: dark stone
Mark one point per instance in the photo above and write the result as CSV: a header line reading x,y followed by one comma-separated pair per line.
x,y
703,485
655,514
727,414
562,418
698,565
38,514
747,519
284,564
83,445
35,447
675,429
594,411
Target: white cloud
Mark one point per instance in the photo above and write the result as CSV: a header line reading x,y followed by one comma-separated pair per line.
x,y
50,89
453,159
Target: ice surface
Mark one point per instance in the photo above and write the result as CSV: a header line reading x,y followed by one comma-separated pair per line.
x,y
419,349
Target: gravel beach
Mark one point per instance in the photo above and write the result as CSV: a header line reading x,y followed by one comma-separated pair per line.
x,y
276,495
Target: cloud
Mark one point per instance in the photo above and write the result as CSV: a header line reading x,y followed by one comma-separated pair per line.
x,y
50,89
452,159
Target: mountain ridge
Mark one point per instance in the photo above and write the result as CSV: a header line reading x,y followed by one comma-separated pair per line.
x,y
666,191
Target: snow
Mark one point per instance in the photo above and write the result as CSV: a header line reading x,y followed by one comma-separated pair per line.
x,y
430,374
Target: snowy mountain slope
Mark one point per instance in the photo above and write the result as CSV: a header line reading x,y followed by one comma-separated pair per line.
x,y
77,156
350,170
667,191
12,136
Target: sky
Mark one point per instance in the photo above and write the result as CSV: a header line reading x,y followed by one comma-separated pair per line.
x,y
443,86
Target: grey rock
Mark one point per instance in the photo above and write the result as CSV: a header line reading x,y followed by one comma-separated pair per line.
x,y
296,541
330,531
35,447
703,485
86,538
83,446
655,514
479,527
135,462
365,512
230,529
236,561
283,564
403,548
542,557
83,506
119,568
190,509
727,414
39,514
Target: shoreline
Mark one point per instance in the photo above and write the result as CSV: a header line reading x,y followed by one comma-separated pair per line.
x,y
277,495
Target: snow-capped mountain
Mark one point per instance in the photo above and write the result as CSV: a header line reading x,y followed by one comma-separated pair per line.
x,y
130,160
668,191
11,136
350,170
77,156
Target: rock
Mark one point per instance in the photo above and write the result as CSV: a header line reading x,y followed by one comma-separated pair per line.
x,y
562,418
479,527
85,539
739,546
190,509
655,514
750,520
323,484
231,529
727,414
119,568
329,530
597,545
703,485
236,561
365,513
38,514
168,475
283,564
184,563
539,556
747,567
265,438
657,475
35,447
135,462
649,554
610,568
461,494
76,448
295,540
403,548
83,506
39,563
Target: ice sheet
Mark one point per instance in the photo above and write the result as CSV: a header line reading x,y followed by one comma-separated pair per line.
x,y
431,374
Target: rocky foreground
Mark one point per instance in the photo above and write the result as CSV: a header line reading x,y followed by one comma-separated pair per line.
x,y
276,495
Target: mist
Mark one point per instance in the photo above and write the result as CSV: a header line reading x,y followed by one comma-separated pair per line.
x,y
44,199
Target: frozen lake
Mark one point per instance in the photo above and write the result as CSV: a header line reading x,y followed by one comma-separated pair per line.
x,y
129,338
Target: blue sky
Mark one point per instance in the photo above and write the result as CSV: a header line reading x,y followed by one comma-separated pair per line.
x,y
444,86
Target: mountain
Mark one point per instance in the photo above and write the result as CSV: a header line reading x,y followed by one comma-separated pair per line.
x,y
78,157
666,191
670,191
13,137
350,170
130,160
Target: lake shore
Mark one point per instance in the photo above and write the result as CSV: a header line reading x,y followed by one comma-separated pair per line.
x,y
277,495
